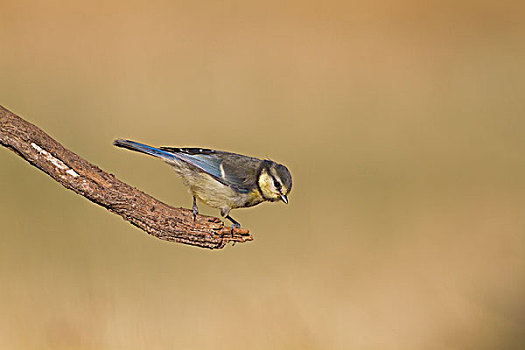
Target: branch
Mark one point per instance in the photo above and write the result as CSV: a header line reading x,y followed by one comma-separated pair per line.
x,y
86,179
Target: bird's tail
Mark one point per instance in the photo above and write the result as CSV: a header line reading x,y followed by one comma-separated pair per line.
x,y
140,147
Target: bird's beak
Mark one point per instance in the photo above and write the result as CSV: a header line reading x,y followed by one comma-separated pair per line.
x,y
284,198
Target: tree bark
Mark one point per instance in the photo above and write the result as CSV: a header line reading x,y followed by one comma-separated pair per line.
x,y
104,189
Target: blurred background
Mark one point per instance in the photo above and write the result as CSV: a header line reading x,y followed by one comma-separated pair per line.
x,y
402,123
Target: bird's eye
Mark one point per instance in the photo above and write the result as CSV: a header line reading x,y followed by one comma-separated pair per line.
x,y
277,185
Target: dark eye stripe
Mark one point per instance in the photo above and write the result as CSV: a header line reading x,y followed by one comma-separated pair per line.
x,y
276,183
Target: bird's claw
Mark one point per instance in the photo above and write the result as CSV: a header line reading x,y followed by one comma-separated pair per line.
x,y
234,226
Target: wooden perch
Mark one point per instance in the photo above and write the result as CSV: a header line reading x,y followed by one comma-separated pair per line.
x,y
86,179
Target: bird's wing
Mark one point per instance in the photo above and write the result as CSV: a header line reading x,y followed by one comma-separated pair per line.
x,y
230,169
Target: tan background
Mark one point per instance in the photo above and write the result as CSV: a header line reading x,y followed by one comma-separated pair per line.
x,y
402,124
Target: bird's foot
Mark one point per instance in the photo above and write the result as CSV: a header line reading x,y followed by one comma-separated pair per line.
x,y
235,224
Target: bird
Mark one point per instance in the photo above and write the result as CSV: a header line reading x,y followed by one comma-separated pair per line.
x,y
220,179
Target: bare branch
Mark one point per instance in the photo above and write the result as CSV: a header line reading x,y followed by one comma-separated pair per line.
x,y
86,179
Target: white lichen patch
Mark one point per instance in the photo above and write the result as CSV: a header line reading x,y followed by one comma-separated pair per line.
x,y
72,173
56,162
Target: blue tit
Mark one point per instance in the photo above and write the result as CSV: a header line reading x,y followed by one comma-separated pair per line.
x,y
220,179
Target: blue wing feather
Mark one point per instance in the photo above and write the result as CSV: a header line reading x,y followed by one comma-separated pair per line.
x,y
210,163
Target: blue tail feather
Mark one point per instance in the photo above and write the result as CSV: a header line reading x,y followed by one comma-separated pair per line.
x,y
140,147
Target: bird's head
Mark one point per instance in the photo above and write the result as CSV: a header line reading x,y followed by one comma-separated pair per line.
x,y
275,181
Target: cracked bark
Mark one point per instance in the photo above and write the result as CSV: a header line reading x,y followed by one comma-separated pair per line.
x,y
140,209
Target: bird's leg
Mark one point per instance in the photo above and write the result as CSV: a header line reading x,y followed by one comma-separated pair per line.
x,y
195,209
235,224
225,212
